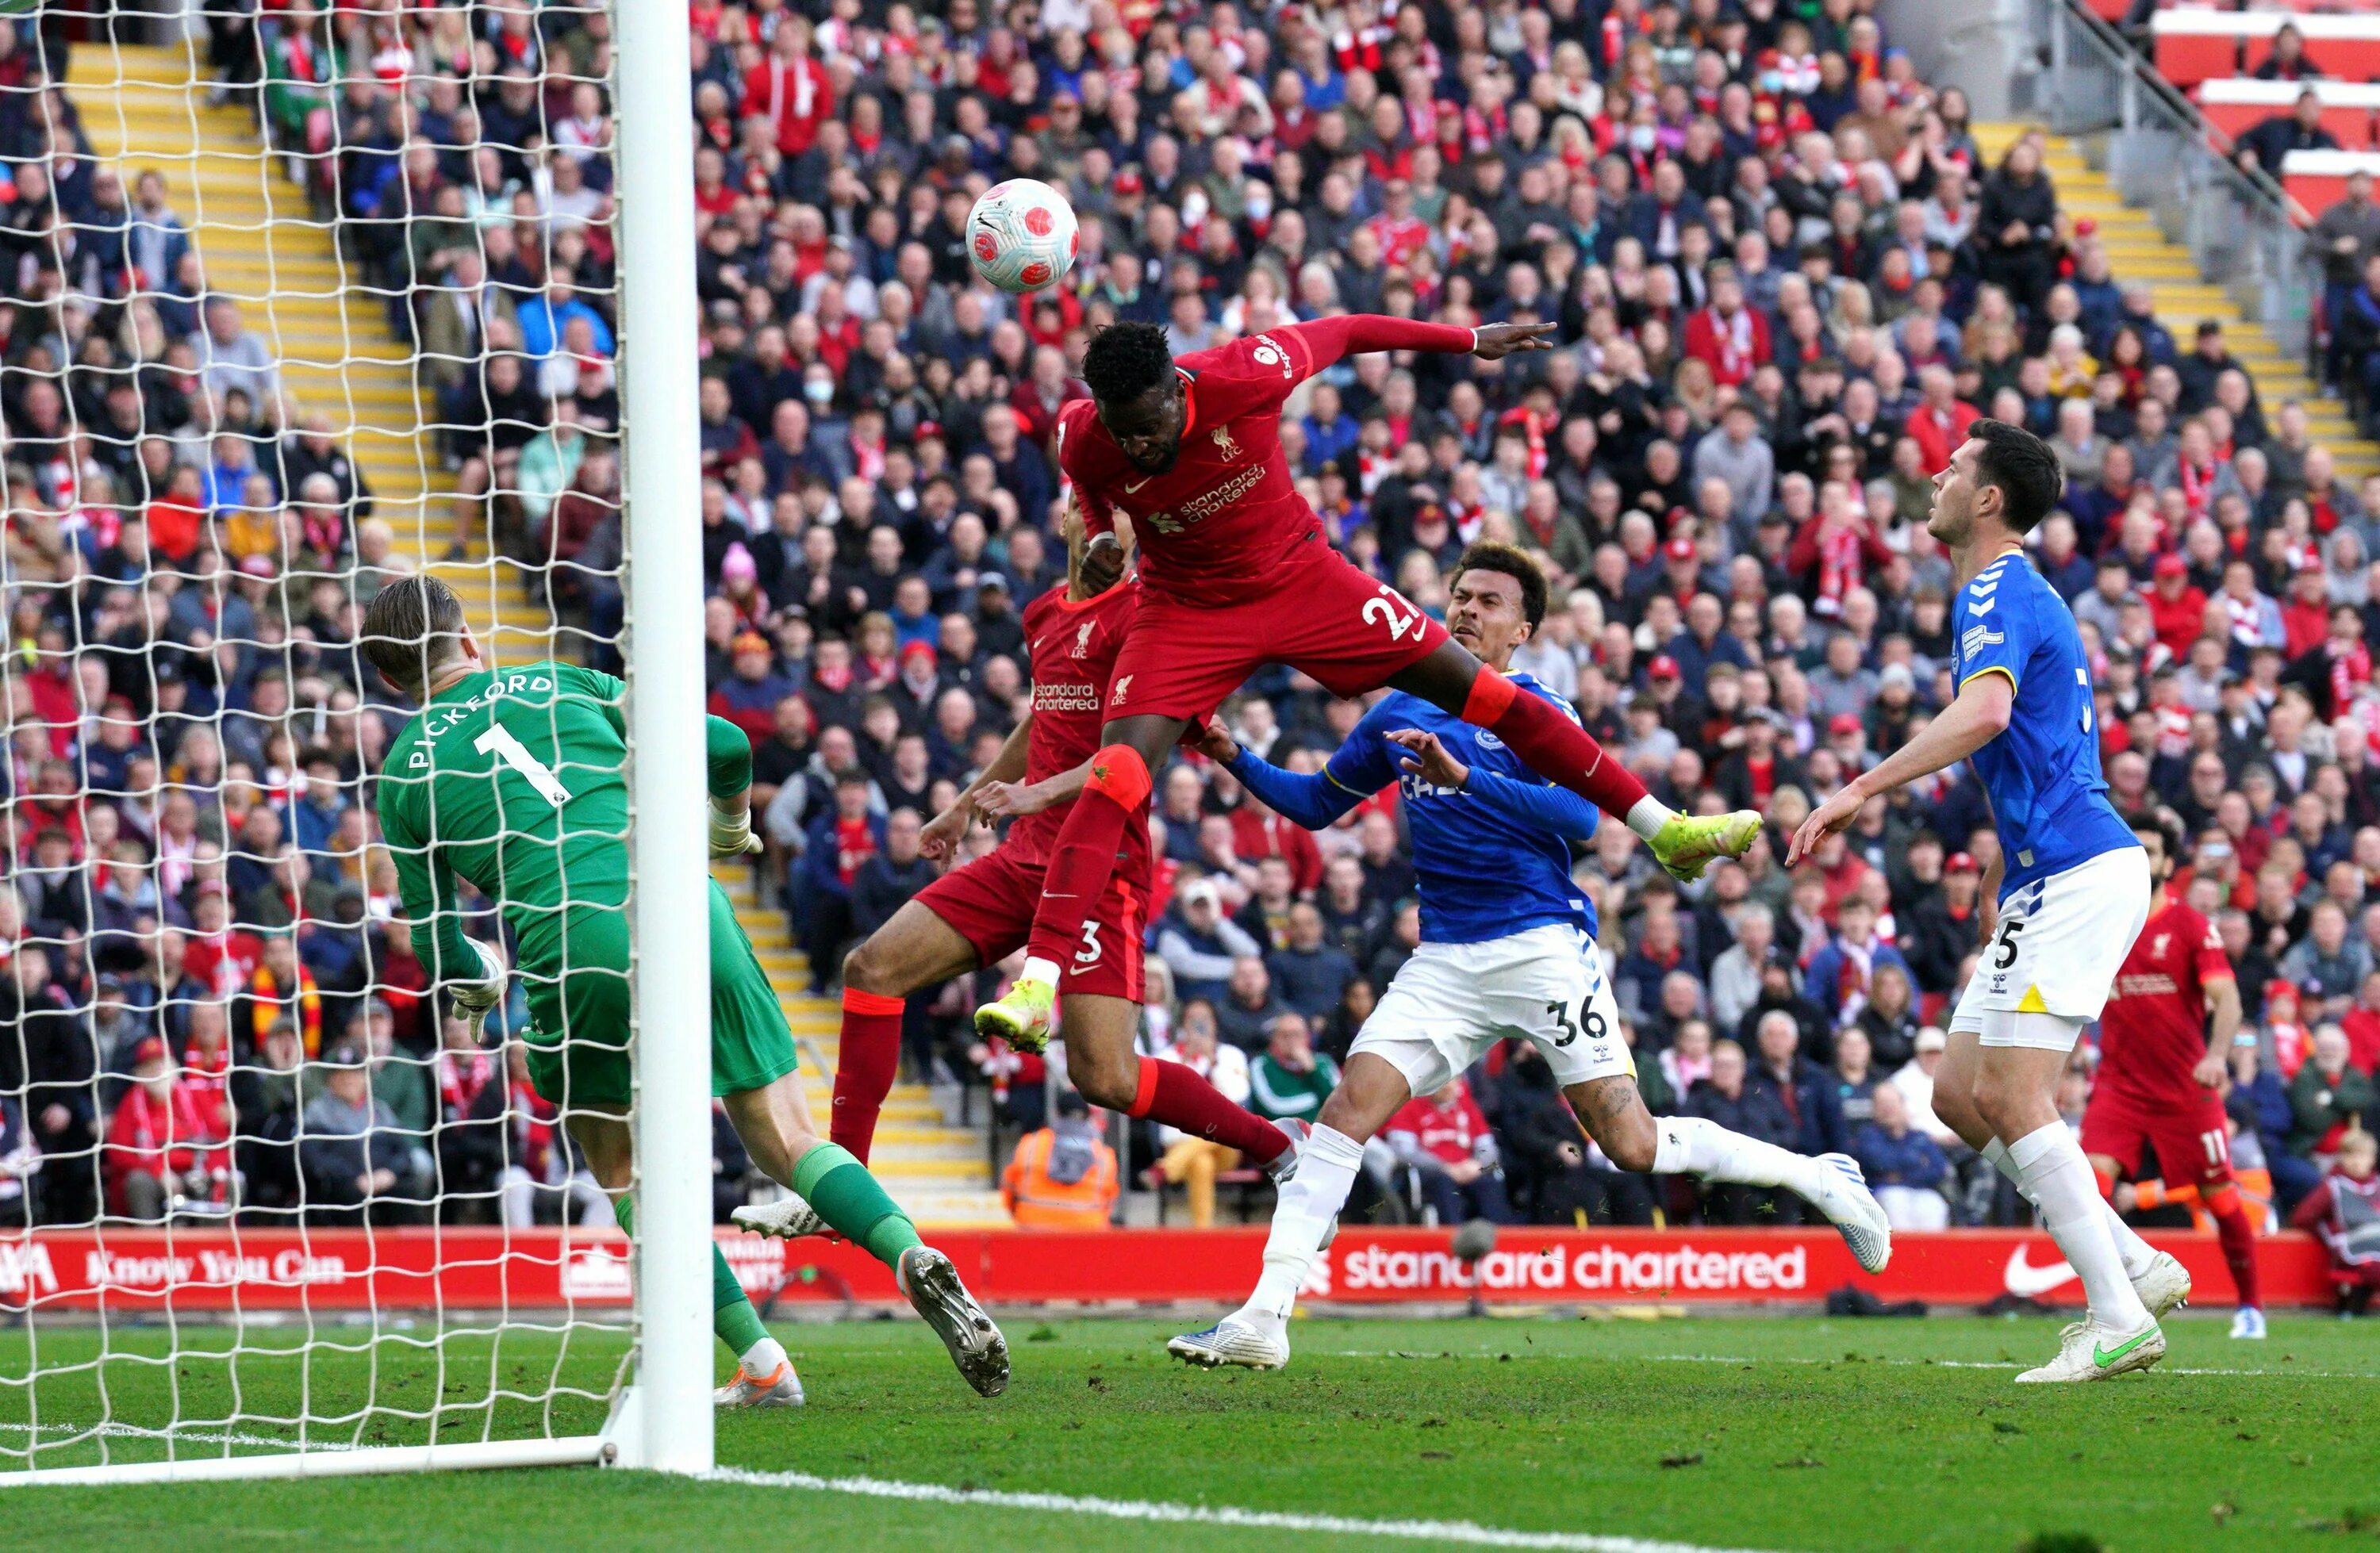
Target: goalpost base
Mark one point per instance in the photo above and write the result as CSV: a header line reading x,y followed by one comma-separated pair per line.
x,y
621,1444
576,1451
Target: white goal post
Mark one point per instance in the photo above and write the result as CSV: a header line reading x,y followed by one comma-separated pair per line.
x,y
103,1312
672,1396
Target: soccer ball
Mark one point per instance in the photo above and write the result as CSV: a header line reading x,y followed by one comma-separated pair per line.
x,y
1022,235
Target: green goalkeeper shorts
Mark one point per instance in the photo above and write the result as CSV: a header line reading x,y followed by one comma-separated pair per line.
x,y
578,1006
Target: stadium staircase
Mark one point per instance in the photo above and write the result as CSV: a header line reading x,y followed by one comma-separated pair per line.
x,y
147,108
2138,250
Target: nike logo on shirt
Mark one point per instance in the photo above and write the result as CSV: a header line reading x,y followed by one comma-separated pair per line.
x,y
1136,485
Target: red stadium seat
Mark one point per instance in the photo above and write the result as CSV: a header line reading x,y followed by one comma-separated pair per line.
x,y
2235,104
2188,58
2317,179
2343,47
2195,45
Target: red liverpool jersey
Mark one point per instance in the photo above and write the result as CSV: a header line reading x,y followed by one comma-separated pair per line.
x,y
1227,511
1073,647
2153,1031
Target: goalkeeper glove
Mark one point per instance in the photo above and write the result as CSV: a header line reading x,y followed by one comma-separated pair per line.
x,y
730,832
474,999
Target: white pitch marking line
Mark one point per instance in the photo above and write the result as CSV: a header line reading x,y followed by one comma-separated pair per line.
x,y
2291,1374
1464,1533
191,1437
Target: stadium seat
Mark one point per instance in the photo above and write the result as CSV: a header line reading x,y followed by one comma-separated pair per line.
x,y
2317,179
2343,47
2235,104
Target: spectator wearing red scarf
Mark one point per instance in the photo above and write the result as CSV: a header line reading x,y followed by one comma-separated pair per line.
x,y
790,89
1729,337
2334,671
1834,547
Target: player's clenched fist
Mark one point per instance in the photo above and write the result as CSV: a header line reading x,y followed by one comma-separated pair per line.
x,y
475,998
1103,563
731,832
1216,744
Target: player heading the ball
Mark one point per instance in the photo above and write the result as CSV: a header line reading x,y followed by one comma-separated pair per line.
x,y
1239,575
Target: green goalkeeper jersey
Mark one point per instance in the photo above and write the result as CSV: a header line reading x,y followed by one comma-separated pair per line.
x,y
514,778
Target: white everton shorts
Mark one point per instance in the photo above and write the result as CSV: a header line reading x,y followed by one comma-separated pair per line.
x,y
2056,950
1453,1002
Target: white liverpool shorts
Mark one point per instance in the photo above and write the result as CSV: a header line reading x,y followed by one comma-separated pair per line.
x,y
1453,1002
2056,948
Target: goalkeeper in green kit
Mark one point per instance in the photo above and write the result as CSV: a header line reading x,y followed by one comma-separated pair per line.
x,y
513,779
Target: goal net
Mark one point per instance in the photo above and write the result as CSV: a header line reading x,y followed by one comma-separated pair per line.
x,y
298,304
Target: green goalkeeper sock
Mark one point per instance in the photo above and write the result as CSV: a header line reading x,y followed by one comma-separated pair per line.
x,y
852,1201
732,1319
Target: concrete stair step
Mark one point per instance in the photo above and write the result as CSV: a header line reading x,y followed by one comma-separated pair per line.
x,y
2140,250
948,1210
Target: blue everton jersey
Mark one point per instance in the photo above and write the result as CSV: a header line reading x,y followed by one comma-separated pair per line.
x,y
2049,801
1486,870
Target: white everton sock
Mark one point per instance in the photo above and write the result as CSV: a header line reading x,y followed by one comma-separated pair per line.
x,y
1325,1174
2051,1168
2138,1253
1697,1145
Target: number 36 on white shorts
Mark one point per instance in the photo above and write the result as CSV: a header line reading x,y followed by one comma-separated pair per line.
x,y
1453,1002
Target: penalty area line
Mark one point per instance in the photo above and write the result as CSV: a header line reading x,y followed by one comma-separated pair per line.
x,y
1460,1533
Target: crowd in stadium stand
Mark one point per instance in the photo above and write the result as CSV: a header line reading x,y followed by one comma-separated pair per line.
x,y
1786,278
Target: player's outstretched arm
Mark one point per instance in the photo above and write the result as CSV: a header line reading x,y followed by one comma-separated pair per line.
x,y
1015,799
1326,340
1980,713
426,887
727,751
1540,805
1314,800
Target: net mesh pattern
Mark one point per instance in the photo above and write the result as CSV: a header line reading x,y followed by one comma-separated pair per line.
x,y
253,375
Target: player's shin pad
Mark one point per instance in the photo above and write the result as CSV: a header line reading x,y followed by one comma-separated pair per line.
x,y
854,1201
1171,1094
867,1060
1084,857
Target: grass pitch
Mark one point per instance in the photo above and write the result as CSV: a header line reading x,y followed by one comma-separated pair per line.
x,y
1790,1434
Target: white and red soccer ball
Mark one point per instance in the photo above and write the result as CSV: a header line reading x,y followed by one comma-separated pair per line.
x,y
1022,235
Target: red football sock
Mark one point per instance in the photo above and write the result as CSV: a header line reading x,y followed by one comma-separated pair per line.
x,y
865,1066
2107,1179
1171,1093
1084,857
1555,747
2238,1238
